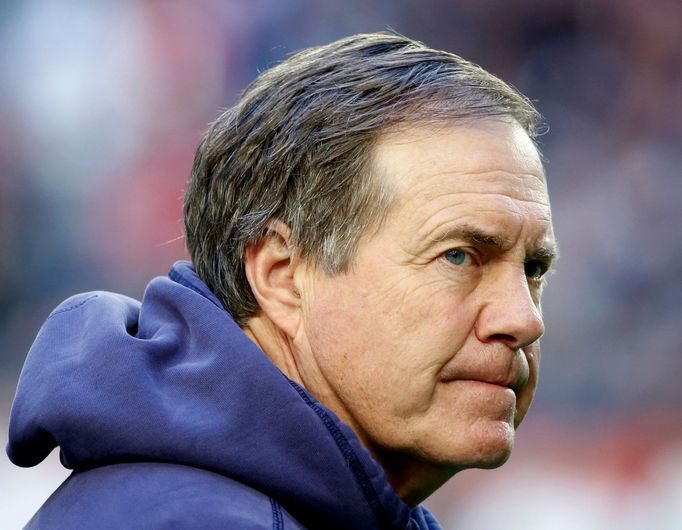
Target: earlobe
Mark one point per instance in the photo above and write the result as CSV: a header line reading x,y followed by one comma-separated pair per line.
x,y
270,265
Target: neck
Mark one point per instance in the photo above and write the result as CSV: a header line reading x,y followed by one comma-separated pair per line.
x,y
296,365
412,478
274,344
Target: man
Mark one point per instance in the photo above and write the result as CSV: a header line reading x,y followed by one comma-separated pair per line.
x,y
369,228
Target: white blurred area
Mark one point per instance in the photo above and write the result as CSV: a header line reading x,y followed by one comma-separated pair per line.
x,y
25,489
103,103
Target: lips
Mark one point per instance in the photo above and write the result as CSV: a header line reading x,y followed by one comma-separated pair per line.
x,y
503,369
488,383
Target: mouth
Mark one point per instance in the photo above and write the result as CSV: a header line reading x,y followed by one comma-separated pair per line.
x,y
491,401
511,375
490,383
512,383
487,385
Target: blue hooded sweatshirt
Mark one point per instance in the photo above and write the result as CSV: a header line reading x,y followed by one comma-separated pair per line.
x,y
171,417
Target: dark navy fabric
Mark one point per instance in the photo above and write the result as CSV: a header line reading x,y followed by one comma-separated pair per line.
x,y
158,495
171,417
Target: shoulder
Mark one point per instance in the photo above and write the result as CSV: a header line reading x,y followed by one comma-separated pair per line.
x,y
156,496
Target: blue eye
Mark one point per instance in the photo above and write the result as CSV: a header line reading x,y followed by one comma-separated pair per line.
x,y
456,256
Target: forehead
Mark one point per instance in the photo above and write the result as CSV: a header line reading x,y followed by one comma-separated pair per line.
x,y
487,171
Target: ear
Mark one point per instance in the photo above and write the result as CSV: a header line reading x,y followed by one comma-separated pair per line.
x,y
270,265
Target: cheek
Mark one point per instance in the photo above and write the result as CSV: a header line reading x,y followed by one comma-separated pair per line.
x,y
386,347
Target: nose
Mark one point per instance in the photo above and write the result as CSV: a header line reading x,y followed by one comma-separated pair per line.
x,y
509,314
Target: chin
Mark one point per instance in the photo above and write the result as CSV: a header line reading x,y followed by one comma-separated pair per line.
x,y
491,445
491,460
487,446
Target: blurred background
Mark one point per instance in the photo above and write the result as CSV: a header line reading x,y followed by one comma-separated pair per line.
x,y
103,103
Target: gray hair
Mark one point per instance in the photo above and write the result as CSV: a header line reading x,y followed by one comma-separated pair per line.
x,y
297,148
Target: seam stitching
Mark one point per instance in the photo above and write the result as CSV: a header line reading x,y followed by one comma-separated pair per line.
x,y
72,307
277,519
347,451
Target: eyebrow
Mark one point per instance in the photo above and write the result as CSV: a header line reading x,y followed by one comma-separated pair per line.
x,y
544,253
475,236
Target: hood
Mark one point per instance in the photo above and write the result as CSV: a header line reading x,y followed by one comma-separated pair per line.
x,y
174,379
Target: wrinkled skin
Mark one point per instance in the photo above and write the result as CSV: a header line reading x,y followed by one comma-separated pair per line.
x,y
428,346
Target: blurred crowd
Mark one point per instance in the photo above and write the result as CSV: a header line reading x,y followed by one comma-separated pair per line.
x,y
103,103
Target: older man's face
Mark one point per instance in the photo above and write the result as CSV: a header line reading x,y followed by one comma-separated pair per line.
x,y
428,346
